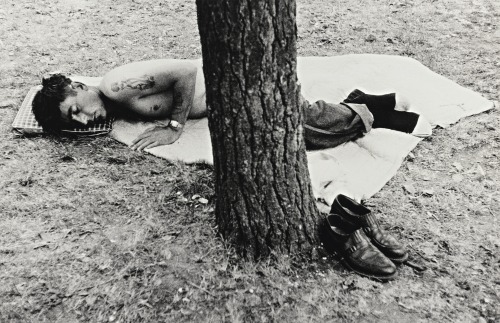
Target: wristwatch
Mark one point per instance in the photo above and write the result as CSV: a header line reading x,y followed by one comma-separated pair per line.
x,y
175,125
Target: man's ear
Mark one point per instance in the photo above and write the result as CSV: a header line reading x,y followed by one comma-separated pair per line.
x,y
78,85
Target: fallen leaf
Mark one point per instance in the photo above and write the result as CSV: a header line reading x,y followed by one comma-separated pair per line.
x,y
66,232
405,306
428,192
7,103
409,188
185,311
371,38
40,245
166,253
432,215
458,166
252,300
116,160
428,251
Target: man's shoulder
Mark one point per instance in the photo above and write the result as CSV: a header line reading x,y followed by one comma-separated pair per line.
x,y
154,64
146,77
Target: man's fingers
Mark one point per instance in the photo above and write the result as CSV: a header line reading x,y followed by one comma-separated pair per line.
x,y
141,137
146,133
153,144
138,142
143,144
147,144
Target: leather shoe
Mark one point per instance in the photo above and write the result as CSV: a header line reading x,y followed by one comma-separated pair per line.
x,y
351,214
358,254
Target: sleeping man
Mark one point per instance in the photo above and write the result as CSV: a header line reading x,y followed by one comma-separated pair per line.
x,y
174,90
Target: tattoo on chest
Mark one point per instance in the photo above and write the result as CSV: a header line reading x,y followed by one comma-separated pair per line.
x,y
140,83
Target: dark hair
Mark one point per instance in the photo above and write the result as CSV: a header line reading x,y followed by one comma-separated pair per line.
x,y
45,105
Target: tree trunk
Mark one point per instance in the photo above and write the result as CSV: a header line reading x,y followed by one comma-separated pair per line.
x,y
264,196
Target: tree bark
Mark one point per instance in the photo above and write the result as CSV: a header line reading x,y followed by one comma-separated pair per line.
x,y
264,197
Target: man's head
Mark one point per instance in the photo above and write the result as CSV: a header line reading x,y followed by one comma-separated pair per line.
x,y
62,103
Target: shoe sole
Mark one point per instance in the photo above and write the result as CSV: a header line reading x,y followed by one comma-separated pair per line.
x,y
399,261
377,277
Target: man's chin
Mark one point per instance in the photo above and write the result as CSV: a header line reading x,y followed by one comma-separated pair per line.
x,y
103,114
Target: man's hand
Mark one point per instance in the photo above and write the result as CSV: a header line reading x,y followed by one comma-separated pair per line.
x,y
155,136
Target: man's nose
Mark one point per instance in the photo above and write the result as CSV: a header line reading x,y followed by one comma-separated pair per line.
x,y
81,118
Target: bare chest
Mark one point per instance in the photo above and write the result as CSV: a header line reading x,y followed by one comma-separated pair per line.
x,y
159,105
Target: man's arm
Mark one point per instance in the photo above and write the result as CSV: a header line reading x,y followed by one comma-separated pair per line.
x,y
183,94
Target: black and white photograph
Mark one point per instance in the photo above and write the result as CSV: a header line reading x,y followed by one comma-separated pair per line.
x,y
250,161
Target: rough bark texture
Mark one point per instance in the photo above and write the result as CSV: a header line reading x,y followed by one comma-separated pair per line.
x,y
264,196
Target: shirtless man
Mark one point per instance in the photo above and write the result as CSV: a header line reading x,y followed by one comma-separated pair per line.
x,y
158,89
175,90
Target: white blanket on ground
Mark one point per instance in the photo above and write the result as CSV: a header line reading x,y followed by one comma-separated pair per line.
x,y
360,168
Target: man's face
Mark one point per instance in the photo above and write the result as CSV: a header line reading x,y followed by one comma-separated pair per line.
x,y
84,108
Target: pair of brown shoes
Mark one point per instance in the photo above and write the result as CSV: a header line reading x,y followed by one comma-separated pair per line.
x,y
353,232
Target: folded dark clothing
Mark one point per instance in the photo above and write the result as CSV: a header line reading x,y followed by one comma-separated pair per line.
x,y
382,108
395,120
380,102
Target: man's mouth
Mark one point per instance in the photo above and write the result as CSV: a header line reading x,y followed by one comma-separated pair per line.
x,y
96,118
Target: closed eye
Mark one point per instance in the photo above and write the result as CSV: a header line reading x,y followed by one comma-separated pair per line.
x,y
76,85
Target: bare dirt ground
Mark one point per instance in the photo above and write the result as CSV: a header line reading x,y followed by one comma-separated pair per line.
x,y
92,231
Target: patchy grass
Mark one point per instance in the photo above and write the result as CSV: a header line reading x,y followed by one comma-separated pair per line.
x,y
92,231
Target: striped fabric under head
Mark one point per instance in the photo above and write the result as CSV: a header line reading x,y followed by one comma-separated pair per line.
x,y
25,121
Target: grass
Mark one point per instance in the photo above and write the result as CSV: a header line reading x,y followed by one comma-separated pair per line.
x,y
92,231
